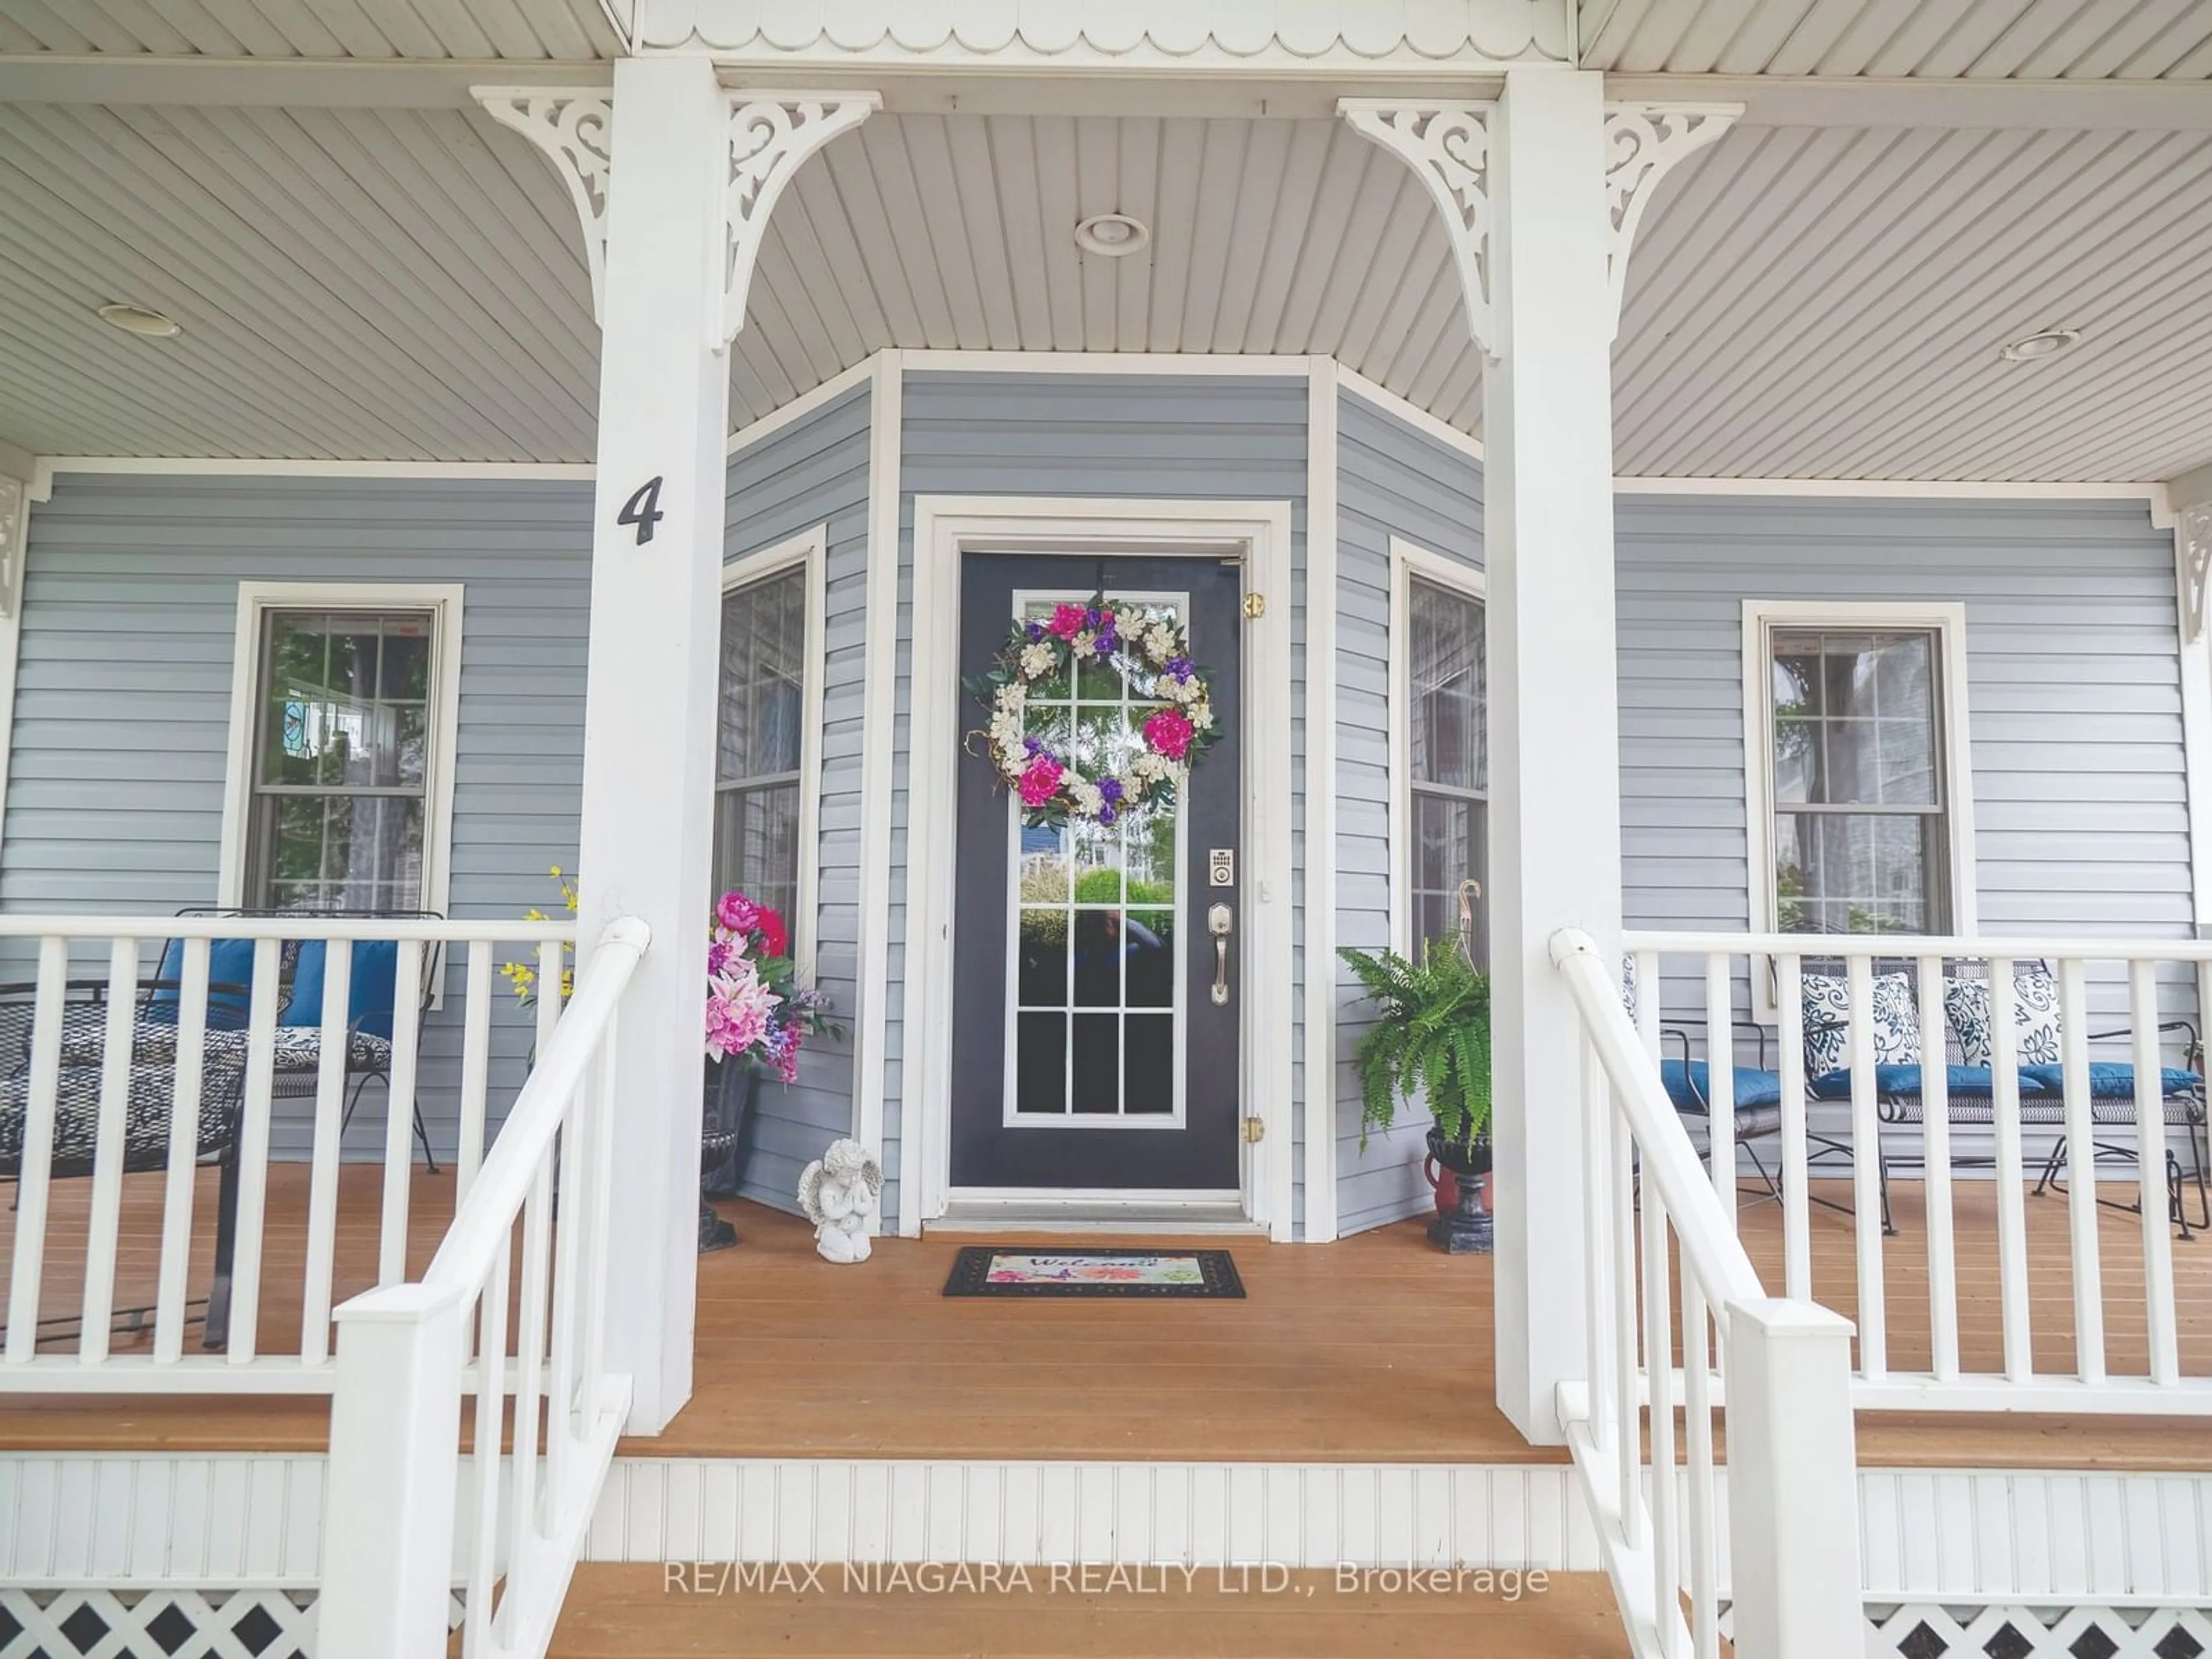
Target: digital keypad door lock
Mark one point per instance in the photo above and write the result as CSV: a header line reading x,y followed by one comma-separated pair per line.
x,y
1221,867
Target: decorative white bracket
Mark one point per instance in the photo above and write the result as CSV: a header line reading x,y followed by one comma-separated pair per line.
x,y
16,497
576,130
2192,541
1447,147
770,135
1643,143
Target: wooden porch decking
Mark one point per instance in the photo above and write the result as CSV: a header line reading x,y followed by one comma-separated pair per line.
x,y
1376,1349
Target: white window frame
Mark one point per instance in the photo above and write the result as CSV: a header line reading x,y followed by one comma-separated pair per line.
x,y
808,550
1409,560
1947,622
255,600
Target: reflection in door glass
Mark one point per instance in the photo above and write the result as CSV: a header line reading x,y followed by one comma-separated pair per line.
x,y
1096,910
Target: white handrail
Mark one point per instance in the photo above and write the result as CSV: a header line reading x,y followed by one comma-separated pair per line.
x,y
1901,945
480,1227
395,1468
1708,1241
1784,1552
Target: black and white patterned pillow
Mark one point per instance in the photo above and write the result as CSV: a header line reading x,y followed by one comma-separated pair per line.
x,y
1828,1000
2034,1017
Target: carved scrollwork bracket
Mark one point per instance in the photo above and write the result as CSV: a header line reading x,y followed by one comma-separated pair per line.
x,y
2192,537
770,135
1643,143
15,524
1447,147
575,129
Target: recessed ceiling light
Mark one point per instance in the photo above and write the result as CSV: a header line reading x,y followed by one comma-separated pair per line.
x,y
2035,347
1114,235
137,319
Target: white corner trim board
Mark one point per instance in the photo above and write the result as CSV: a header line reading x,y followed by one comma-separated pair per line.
x,y
879,699
255,600
1323,600
945,526
808,551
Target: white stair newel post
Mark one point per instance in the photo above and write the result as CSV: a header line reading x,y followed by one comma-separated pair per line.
x,y
1555,849
649,711
395,1443
1793,1483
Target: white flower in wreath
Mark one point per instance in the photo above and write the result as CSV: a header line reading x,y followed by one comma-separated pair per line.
x,y
1185,691
1148,768
1085,644
1038,661
1160,643
1087,796
1130,626
1201,716
1012,697
1013,755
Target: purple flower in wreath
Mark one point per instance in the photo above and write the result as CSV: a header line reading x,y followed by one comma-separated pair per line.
x,y
1091,616
1108,643
1179,667
1031,745
1036,632
1111,789
1106,814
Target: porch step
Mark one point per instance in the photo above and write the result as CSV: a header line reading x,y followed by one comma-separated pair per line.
x,y
635,1612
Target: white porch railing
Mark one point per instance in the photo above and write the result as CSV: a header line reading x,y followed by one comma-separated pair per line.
x,y
539,1335
2135,1003
104,1075
1782,1551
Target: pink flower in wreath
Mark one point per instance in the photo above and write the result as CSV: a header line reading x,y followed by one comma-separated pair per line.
x,y
1068,621
1169,731
1040,782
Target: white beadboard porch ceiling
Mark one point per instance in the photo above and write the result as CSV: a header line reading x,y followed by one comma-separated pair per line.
x,y
374,29
1975,40
1806,303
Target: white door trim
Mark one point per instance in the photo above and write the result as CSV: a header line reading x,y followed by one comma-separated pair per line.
x,y
946,526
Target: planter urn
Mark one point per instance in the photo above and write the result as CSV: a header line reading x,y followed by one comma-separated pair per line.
x,y
1465,1229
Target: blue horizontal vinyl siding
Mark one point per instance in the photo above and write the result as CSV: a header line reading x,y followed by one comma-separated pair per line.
x,y
115,782
1392,480
2074,702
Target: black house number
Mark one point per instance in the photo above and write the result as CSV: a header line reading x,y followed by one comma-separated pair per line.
x,y
643,510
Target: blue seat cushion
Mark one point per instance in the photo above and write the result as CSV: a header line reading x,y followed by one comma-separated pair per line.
x,y
1687,1086
230,981
1969,1082
2114,1080
368,993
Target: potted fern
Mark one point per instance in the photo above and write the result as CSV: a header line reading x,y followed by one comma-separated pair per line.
x,y
1430,1046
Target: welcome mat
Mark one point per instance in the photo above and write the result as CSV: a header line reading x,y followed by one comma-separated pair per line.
x,y
1043,1270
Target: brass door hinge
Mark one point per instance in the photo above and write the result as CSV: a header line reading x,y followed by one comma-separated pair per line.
x,y
1256,1130
1256,605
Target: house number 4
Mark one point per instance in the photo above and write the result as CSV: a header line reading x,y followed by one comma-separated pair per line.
x,y
643,510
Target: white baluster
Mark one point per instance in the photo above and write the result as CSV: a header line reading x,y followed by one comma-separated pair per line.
x,y
2012,1213
2150,1173
1720,1075
1697,1425
2081,1173
244,1315
1935,1118
475,1067
336,1044
172,1290
1866,1174
1796,1189
400,1112
1659,1379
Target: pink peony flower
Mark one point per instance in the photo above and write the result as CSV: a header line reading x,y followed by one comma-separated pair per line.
x,y
1169,731
1068,621
739,1008
1041,782
737,912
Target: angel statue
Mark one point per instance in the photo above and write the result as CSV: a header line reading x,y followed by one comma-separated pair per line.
x,y
837,1193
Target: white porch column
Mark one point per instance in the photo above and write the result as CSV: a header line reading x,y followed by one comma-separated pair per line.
x,y
1554,753
649,711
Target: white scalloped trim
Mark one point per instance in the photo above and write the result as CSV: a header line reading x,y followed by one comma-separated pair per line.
x,y
1126,31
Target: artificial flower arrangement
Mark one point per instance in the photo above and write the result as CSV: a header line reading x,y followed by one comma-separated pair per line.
x,y
1148,648
756,1009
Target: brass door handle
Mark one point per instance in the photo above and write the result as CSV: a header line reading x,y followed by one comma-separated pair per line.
x,y
1220,924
